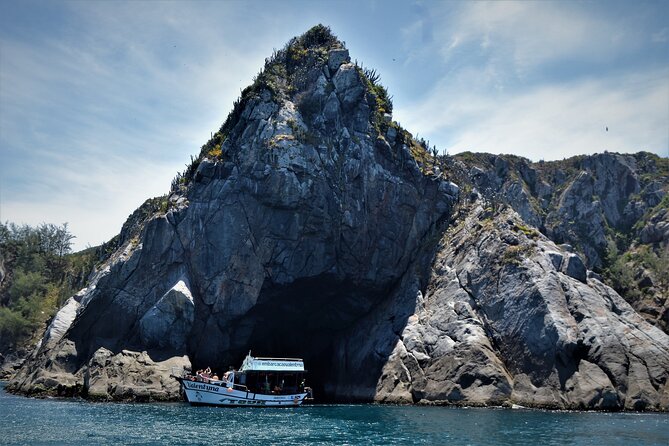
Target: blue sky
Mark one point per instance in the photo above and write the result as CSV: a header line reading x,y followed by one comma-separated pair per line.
x,y
102,102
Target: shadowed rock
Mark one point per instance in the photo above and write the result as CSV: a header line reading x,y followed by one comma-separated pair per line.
x,y
311,225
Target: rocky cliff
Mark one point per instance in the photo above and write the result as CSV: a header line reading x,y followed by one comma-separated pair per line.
x,y
611,208
508,316
312,225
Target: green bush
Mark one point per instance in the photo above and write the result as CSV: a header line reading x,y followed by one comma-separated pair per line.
x,y
14,329
41,275
26,284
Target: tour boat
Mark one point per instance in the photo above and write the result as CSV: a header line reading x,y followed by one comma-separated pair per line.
x,y
259,382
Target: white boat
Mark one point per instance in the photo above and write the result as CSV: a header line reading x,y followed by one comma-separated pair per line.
x,y
259,382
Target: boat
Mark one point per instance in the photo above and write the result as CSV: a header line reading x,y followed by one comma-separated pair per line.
x,y
259,382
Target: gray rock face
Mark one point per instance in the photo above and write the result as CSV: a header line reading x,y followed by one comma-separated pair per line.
x,y
606,207
574,267
316,234
657,229
578,201
501,323
9,365
336,58
131,375
306,223
168,323
348,85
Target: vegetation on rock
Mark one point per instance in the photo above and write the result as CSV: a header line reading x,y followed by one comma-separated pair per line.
x,y
611,208
291,74
38,274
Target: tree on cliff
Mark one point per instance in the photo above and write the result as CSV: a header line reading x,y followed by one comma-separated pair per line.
x,y
37,273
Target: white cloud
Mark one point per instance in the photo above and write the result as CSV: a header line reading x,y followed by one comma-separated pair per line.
x,y
523,37
94,125
541,80
94,203
549,121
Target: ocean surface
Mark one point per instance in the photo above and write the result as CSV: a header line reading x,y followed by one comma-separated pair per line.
x,y
75,422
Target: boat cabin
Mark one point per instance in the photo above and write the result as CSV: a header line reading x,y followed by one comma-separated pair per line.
x,y
279,376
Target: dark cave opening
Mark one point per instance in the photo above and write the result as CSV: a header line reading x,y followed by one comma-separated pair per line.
x,y
306,319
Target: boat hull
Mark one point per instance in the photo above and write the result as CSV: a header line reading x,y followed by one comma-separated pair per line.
x,y
205,394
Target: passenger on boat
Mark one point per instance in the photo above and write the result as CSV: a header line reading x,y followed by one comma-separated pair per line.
x,y
204,375
229,377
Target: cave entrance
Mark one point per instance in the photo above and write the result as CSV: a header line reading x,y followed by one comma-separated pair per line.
x,y
308,319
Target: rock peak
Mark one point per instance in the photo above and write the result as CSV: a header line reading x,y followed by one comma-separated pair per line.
x,y
309,91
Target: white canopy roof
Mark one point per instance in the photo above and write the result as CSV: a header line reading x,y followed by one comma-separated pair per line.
x,y
272,364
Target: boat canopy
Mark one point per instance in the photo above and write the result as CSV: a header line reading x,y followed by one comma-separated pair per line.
x,y
272,364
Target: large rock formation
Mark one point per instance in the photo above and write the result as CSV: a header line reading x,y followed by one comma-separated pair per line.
x,y
509,316
611,208
312,225
299,227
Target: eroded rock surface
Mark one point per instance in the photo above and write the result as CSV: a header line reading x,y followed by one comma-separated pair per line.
x,y
312,225
611,208
304,223
502,322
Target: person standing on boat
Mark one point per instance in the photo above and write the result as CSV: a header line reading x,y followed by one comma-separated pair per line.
x,y
229,377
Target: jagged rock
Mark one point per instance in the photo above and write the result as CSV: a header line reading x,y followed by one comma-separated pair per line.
x,y
657,228
556,259
169,322
590,388
301,229
128,375
574,267
602,206
336,58
131,376
9,365
491,332
348,86
315,233
594,275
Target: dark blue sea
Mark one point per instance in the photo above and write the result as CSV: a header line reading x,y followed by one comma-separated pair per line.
x,y
74,422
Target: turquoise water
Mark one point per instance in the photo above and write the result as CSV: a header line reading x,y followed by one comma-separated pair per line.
x,y
74,422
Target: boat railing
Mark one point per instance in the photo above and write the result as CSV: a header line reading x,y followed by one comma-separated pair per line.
x,y
235,386
215,382
241,387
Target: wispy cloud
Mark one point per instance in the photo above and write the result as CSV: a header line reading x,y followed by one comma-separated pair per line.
x,y
102,102
544,80
549,121
97,121
552,122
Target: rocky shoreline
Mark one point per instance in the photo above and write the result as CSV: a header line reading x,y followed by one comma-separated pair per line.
x,y
312,225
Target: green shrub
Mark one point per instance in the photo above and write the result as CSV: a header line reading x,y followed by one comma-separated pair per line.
x,y
14,329
516,254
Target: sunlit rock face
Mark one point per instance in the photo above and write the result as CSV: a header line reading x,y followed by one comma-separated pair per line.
x,y
612,209
307,220
311,225
502,321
